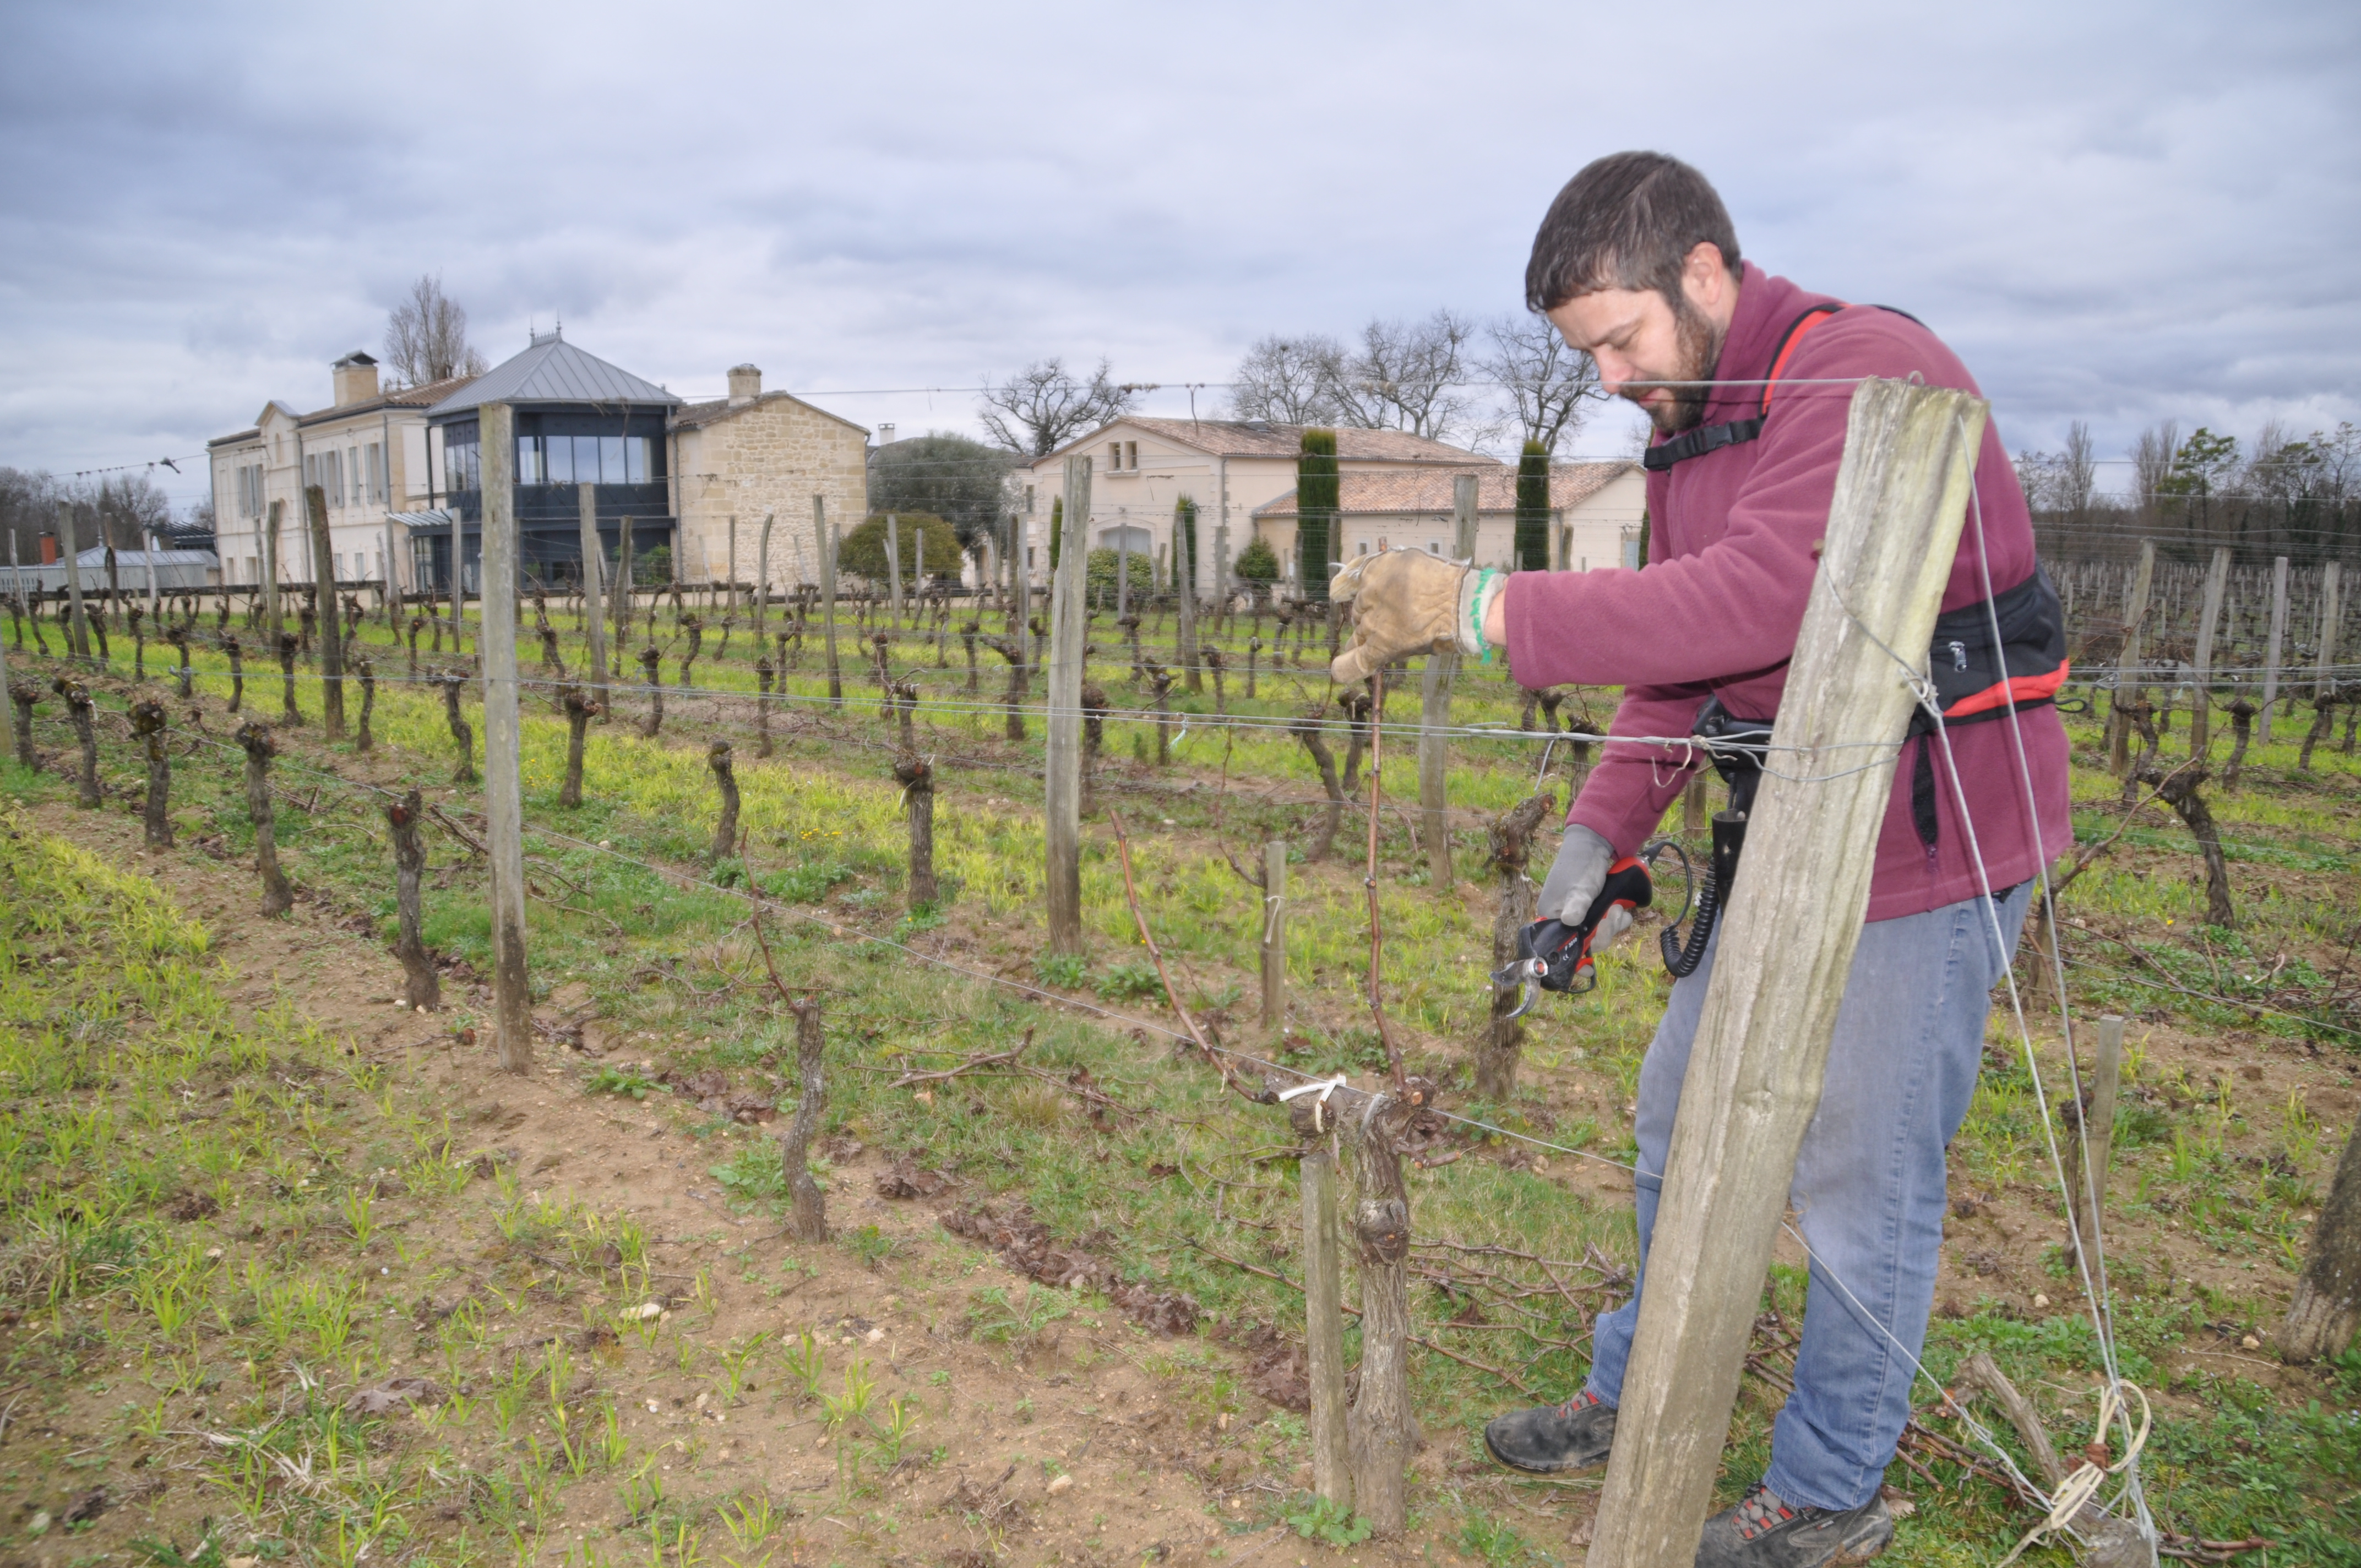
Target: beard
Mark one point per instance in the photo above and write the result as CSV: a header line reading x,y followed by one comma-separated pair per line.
x,y
1697,348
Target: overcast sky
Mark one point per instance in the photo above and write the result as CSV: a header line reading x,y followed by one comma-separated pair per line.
x,y
2114,211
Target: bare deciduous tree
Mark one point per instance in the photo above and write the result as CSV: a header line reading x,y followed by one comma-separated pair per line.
x,y
1410,375
1545,381
2152,464
1290,380
426,337
1042,407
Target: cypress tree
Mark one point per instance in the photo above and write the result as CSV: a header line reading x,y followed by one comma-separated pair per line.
x,y
1532,553
1184,546
1057,527
1643,536
1317,494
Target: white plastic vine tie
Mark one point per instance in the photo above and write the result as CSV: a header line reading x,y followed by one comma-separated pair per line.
x,y
2079,1488
1323,1087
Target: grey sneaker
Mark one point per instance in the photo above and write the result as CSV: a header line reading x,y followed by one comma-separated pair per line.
x,y
1552,1438
1764,1532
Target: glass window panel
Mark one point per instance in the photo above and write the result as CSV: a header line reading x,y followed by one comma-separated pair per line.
x,y
561,459
610,459
528,460
636,460
586,459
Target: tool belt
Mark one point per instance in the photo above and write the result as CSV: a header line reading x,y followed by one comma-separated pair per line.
x,y
1974,682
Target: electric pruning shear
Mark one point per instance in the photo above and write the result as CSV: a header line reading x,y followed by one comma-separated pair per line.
x,y
1552,955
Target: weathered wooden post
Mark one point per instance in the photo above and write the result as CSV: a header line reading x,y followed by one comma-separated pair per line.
x,y
277,896
503,768
2274,643
78,622
1323,1322
620,590
1062,783
763,578
1787,940
391,576
1434,712
148,724
422,987
324,590
1274,936
725,779
2324,681
272,612
2127,663
893,566
826,547
2201,712
593,563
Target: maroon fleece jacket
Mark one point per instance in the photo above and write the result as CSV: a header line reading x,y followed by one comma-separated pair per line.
x,y
1716,606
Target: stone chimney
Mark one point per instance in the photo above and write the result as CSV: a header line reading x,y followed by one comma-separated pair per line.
x,y
884,435
745,384
356,376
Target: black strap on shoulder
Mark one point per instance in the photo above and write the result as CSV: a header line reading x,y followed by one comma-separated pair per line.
x,y
1707,438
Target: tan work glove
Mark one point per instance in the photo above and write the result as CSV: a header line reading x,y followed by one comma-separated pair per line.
x,y
1408,602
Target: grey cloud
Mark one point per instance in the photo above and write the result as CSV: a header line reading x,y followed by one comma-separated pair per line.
x,y
2114,211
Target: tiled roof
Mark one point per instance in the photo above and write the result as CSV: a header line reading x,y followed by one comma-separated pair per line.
x,y
694,415
423,397
1240,438
1398,492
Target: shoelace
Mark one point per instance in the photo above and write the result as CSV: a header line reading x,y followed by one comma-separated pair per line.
x,y
1761,1510
1580,1403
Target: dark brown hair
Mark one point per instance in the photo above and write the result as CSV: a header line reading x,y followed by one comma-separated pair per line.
x,y
1627,221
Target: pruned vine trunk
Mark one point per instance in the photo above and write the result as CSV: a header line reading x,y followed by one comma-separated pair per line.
x,y
1307,730
2242,729
421,986
148,724
917,777
462,737
651,675
292,714
580,709
277,896
2326,1309
725,778
367,671
2179,789
1510,851
22,696
78,712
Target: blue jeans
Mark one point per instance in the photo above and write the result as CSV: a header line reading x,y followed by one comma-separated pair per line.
x,y
1868,1192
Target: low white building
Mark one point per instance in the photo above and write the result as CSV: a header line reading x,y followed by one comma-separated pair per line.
x,y
1595,511
1141,467
177,571
366,451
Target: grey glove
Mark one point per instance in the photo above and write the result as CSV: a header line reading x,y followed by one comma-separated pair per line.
x,y
1574,877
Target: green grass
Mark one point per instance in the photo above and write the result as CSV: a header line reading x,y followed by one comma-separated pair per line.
x,y
664,956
